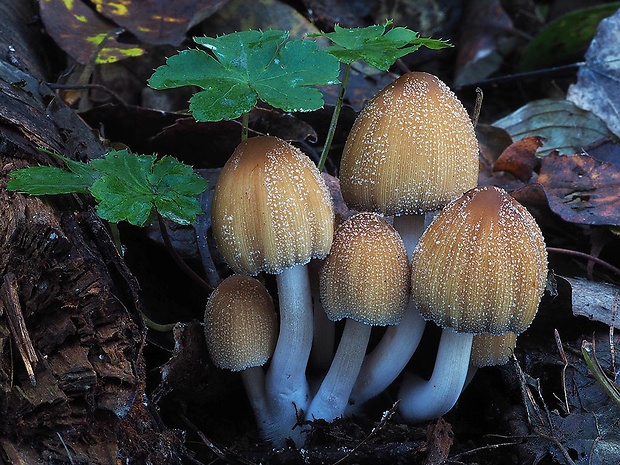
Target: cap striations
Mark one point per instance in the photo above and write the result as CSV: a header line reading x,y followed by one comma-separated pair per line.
x,y
271,208
412,149
366,274
481,266
240,324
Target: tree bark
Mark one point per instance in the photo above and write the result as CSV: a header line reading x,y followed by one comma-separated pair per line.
x,y
71,336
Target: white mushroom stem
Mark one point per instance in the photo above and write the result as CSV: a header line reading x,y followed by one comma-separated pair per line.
x,y
324,334
331,399
286,383
254,381
323,340
422,400
388,359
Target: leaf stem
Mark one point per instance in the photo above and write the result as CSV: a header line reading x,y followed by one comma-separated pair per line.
x,y
245,125
335,116
587,350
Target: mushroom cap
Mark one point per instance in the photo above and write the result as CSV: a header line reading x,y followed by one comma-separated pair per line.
x,y
271,208
481,266
365,277
240,324
490,350
412,149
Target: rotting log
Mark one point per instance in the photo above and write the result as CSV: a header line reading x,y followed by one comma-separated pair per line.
x,y
71,336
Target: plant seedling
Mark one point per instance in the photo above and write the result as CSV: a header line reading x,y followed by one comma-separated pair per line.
x,y
126,186
375,46
246,66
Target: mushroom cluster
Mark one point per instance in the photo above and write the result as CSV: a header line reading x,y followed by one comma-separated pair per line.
x,y
411,152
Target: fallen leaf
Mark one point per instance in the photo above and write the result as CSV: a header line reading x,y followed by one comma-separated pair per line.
x,y
594,300
157,22
581,189
566,127
597,80
519,159
566,38
83,34
486,39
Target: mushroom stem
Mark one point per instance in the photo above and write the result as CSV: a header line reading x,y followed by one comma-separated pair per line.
x,y
390,356
286,383
323,339
410,227
331,399
254,382
422,400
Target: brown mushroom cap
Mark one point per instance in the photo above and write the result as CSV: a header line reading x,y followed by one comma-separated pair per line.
x,y
271,208
481,266
366,274
411,150
240,324
490,350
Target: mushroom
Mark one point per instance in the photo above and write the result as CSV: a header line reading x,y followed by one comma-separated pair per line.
x,y
273,213
411,150
241,330
491,350
480,267
365,280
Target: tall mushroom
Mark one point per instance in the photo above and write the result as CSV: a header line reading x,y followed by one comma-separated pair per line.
x,y
365,280
241,328
480,267
411,150
273,213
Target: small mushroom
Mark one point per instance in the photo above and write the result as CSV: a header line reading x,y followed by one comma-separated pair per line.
x,y
241,330
411,150
490,350
480,267
365,280
273,213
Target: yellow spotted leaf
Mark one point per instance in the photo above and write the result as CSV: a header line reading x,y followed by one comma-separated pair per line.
x,y
83,34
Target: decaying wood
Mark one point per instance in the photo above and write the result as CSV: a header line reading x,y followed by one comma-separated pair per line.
x,y
9,300
71,336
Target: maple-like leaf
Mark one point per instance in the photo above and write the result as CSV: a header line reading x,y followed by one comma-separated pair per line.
x,y
242,67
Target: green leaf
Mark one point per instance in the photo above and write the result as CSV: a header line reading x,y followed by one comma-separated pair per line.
x,y
243,67
131,185
50,180
126,186
375,46
177,188
47,180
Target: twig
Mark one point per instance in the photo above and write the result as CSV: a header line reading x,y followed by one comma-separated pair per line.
x,y
558,342
100,87
586,256
612,347
224,454
178,260
384,419
478,107
69,455
482,448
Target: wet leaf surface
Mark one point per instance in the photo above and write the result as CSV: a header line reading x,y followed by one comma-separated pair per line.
x,y
597,80
83,34
157,22
564,126
581,189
